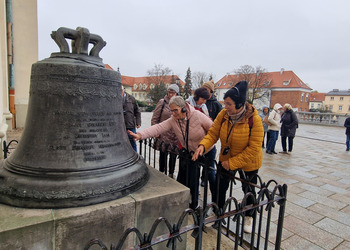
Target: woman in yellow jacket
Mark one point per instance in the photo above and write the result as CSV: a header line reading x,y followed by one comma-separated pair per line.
x,y
240,130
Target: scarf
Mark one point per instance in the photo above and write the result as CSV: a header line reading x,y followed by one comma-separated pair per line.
x,y
203,107
239,116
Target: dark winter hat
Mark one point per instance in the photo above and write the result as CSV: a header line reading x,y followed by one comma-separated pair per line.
x,y
238,93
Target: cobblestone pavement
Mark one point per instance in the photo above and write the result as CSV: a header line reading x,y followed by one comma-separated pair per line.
x,y
318,177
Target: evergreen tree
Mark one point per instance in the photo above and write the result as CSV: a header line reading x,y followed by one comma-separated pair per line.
x,y
188,84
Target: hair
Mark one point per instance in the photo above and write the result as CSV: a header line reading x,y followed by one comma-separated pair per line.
x,y
201,93
177,100
287,106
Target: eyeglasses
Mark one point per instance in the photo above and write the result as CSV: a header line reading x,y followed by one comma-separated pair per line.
x,y
174,110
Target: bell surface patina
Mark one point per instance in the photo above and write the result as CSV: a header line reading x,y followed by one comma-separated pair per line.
x,y
74,150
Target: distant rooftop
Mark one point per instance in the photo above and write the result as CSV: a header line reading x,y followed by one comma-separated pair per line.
x,y
339,92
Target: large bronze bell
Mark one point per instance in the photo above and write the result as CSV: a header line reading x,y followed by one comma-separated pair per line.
x,y
74,150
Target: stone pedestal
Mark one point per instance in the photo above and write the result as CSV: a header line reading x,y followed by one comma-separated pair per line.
x,y
72,228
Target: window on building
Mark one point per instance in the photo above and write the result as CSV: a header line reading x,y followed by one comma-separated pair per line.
x,y
318,106
140,86
135,86
139,95
144,86
341,98
340,108
349,108
285,83
312,105
332,98
151,86
307,98
330,107
144,94
267,83
302,97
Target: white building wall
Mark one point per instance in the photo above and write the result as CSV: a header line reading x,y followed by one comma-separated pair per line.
x,y
4,111
25,31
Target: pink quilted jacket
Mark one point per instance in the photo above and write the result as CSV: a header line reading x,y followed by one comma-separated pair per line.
x,y
199,125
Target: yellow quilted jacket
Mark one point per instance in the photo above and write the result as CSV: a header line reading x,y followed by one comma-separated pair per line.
x,y
245,150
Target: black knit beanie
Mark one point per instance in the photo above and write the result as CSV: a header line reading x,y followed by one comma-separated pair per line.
x,y
238,93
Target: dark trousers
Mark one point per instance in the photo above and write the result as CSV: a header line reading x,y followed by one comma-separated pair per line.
x,y
210,158
284,143
163,167
267,133
225,182
188,175
131,139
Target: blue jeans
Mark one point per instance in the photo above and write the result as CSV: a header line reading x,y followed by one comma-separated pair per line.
x,y
272,141
131,139
348,141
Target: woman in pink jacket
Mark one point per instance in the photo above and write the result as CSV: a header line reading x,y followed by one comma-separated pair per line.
x,y
189,126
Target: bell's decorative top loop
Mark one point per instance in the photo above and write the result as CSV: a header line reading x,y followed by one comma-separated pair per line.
x,y
81,38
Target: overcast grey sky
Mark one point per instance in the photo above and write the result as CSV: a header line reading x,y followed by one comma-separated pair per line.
x,y
310,37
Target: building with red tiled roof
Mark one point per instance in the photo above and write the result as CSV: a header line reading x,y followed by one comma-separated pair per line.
x,y
140,86
281,87
316,101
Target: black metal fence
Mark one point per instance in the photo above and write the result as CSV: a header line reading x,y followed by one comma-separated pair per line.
x,y
7,148
267,211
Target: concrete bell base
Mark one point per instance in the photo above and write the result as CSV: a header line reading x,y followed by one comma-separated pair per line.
x,y
73,228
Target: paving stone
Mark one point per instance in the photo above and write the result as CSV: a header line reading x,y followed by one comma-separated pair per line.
x,y
311,233
303,214
301,201
323,200
340,216
334,227
341,197
345,245
346,209
318,190
335,189
313,181
296,243
345,181
295,188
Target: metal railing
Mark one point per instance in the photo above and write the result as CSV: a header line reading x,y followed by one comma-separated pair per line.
x,y
229,220
7,148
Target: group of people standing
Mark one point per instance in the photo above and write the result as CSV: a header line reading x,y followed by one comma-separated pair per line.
x,y
198,123
279,119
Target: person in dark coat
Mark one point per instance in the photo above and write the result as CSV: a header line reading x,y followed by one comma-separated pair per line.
x,y
161,113
347,132
213,105
132,115
289,126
